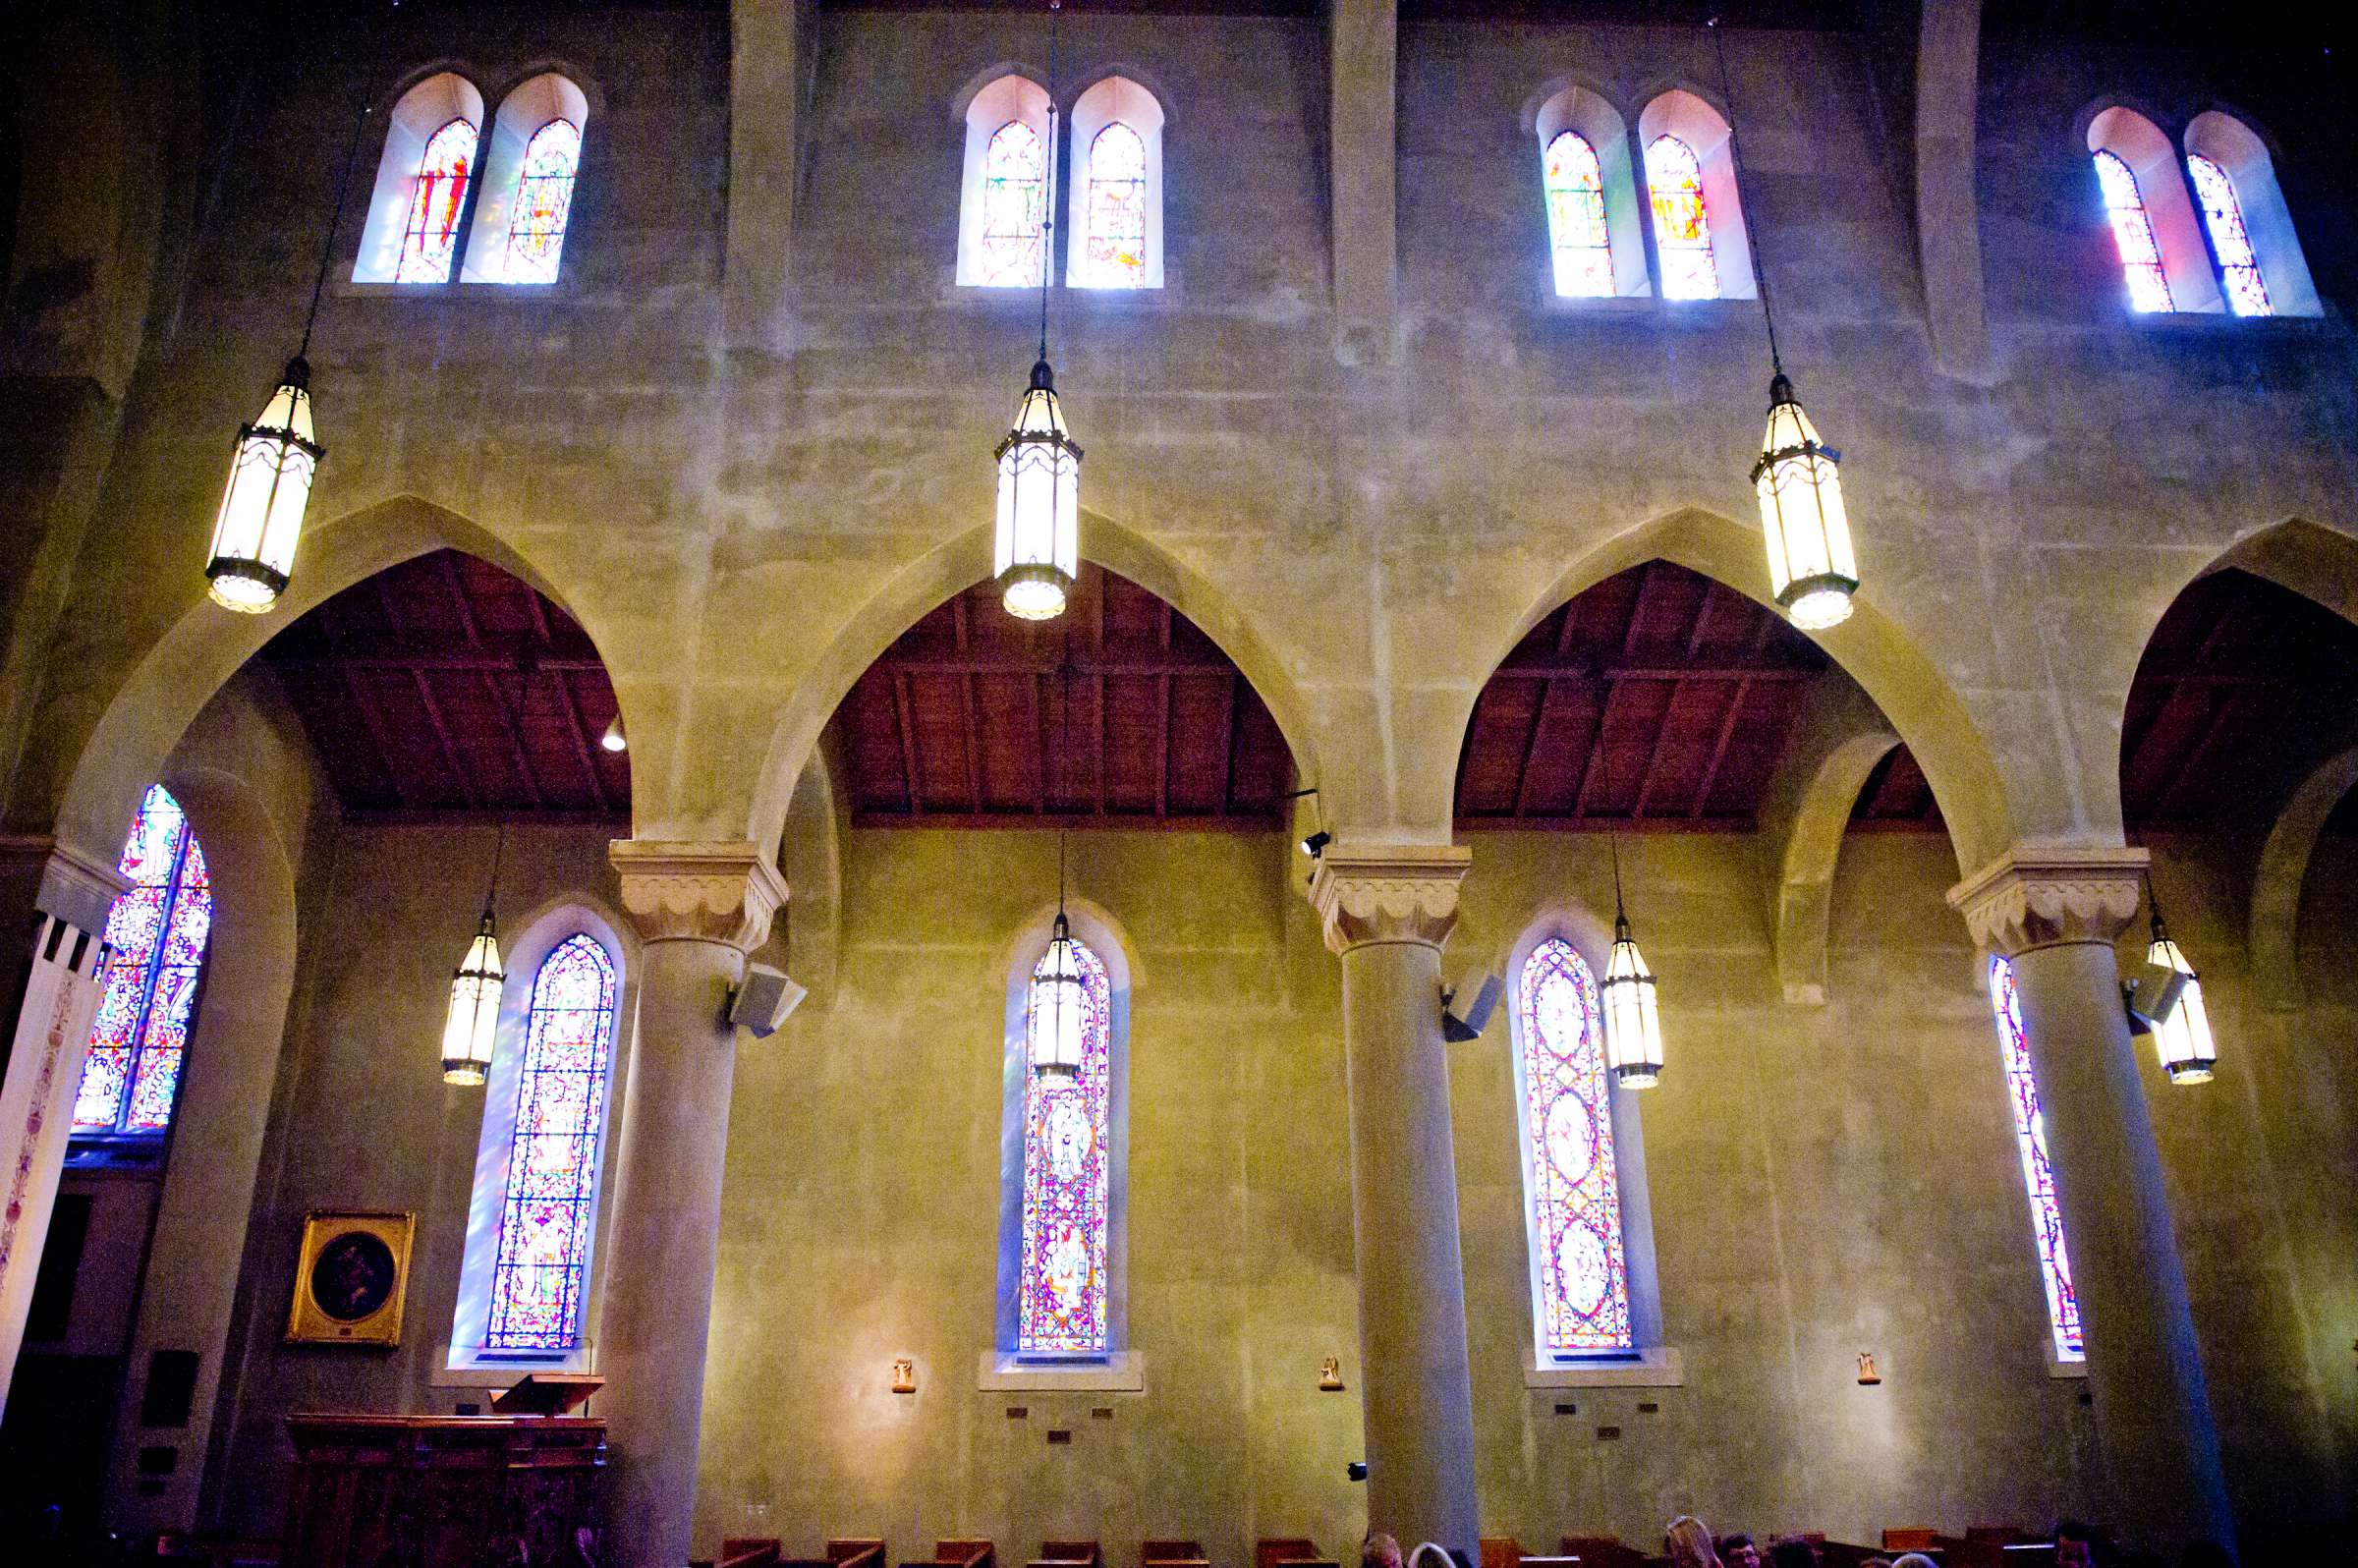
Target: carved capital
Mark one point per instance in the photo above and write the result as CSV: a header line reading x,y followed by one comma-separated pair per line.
x,y
77,888
1388,893
2048,895
699,892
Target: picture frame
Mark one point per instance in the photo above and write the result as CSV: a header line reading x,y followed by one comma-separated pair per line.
x,y
350,1276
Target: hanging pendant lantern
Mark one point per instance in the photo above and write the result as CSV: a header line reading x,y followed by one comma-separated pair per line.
x,y
1058,1007
2183,1039
1811,568
261,512
474,1020
1037,549
1633,1025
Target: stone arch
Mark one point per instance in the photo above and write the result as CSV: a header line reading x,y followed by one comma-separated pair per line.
x,y
1837,740
1870,647
199,653
2272,934
960,563
2317,562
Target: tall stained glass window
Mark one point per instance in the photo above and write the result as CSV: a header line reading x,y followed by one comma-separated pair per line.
x,y
543,198
1584,257
429,240
1682,226
2030,1133
1117,208
553,1158
1570,1182
2222,215
1061,1301
155,935
1015,207
2133,233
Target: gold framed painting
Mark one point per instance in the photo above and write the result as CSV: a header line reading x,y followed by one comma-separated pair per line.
x,y
349,1278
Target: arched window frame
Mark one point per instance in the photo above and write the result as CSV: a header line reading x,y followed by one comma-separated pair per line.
x,y
1010,98
415,117
139,982
1116,99
1006,1365
530,107
1647,1362
2150,157
2243,157
1590,117
1683,114
2067,1345
542,935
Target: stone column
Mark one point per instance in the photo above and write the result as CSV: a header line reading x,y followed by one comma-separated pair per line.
x,y
1388,910
2055,912
699,909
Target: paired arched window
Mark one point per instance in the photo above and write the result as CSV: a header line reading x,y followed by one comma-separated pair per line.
x,y
1063,1285
1699,235
524,1283
2229,248
1682,220
2133,233
1117,188
445,201
156,936
1571,1172
1010,169
1576,224
2037,1176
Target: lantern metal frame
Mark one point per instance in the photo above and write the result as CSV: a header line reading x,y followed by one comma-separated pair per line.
x,y
1636,1063
470,1028
2182,1041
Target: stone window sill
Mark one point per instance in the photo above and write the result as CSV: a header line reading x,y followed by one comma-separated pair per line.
x,y
1659,1368
2058,1366
472,1369
1122,1373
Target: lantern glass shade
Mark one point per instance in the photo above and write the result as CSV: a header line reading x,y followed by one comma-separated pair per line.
x,y
2183,1039
1038,545
1633,1025
1059,1009
261,510
474,1020
1811,568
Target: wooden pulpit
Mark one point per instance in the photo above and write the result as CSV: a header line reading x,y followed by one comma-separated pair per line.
x,y
442,1491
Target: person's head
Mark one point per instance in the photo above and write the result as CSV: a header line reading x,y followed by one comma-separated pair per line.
x,y
2075,1544
1688,1544
1914,1559
1739,1551
1380,1551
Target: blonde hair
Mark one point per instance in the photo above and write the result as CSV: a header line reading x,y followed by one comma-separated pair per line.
x,y
1688,1542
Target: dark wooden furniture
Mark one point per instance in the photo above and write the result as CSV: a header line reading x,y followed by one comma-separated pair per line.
x,y
1173,1555
1603,1551
747,1551
966,1553
1069,1554
1271,1551
856,1553
439,1491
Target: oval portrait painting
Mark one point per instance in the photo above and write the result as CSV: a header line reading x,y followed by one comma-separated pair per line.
x,y
353,1276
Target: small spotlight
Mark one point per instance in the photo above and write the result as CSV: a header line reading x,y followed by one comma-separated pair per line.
x,y
1315,844
613,740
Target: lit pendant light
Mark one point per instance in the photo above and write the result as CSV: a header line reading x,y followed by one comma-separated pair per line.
x,y
1058,1008
1633,1025
1036,546
1812,569
614,739
2182,1039
260,521
474,1020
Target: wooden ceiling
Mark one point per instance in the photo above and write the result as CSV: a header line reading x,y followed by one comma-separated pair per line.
x,y
964,722
406,683
1658,699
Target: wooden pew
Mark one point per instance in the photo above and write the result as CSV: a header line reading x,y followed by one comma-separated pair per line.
x,y
1501,1551
1273,1552
1173,1555
747,1551
1603,1551
965,1554
856,1553
1927,1542
1069,1554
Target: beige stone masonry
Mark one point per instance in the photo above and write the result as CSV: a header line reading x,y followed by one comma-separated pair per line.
x,y
725,892
2051,895
1388,893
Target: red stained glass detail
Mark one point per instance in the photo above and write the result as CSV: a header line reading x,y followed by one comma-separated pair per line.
x,y
1568,1161
1067,1173
429,240
2039,1177
156,935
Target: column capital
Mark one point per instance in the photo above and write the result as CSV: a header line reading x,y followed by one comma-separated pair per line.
x,y
1388,892
75,887
707,892
2048,895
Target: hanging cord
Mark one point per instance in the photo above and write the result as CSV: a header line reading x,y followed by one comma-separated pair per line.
x,y
327,251
512,708
1620,916
1047,206
1735,158
1064,766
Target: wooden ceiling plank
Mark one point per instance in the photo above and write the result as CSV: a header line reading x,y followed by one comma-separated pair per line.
x,y
1163,766
539,608
1654,752
1531,746
1703,618
458,595
580,730
1228,742
1565,628
374,723
1764,670
382,581
906,713
515,728
959,629
1727,732
1102,769
974,733
2223,708
1587,766
450,751
395,660
1040,730
1637,611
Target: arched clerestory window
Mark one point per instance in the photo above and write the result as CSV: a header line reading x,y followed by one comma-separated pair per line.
x,y
155,935
2037,1176
425,179
2230,240
1117,188
2157,233
1595,229
1010,162
1582,1301
2251,229
530,168
1682,220
2133,233
1576,226
524,1285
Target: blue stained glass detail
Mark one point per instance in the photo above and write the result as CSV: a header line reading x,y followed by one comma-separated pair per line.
x,y
155,935
553,1155
2030,1135
1568,1166
1062,1309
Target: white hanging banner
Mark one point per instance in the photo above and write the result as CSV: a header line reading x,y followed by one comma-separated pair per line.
x,y
36,1111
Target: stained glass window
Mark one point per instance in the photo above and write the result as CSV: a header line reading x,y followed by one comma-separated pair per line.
x,y
1584,257
2222,215
1569,1176
1117,208
2030,1133
1682,226
155,938
2133,233
1015,207
1060,1309
553,1157
544,196
429,239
